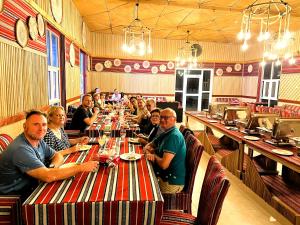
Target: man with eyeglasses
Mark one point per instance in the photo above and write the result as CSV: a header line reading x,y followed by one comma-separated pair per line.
x,y
168,153
83,117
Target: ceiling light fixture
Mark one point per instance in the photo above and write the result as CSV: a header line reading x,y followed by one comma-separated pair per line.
x,y
272,18
187,54
137,38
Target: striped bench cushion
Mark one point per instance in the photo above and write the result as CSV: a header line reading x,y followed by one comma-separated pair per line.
x,y
10,210
289,194
176,217
5,140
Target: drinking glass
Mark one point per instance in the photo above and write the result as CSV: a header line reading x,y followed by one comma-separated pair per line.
x,y
102,140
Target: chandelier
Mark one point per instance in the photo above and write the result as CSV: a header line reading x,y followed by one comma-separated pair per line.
x,y
187,54
137,38
272,19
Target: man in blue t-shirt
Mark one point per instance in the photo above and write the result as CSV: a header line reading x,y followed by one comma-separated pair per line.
x,y
168,152
24,161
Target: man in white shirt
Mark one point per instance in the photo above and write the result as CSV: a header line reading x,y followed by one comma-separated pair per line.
x,y
116,96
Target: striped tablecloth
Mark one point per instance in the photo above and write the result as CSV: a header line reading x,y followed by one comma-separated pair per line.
x,y
126,194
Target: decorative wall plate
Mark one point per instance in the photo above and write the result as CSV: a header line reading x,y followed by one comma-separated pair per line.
x,y
136,66
228,69
99,67
40,24
154,70
72,54
250,68
21,33
162,68
146,64
170,65
83,34
127,69
117,62
1,5
33,28
57,10
219,72
108,64
237,67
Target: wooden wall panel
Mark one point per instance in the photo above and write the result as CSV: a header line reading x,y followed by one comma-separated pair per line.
x,y
225,85
249,86
72,81
23,80
105,45
132,83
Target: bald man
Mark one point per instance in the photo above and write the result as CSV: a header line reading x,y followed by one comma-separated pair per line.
x,y
168,153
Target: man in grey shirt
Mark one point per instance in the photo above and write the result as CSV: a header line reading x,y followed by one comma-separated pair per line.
x,y
24,161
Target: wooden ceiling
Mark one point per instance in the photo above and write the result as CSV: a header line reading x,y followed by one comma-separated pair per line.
x,y
207,20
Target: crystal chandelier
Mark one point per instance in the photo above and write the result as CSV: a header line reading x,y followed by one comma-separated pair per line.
x,y
137,38
187,54
272,18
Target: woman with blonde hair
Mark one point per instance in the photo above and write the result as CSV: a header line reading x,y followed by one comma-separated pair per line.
x,y
56,137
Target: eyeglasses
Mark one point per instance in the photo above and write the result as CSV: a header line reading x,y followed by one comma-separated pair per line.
x,y
165,117
157,116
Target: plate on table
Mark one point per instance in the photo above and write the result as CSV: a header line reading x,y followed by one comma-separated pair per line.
x,y
134,140
85,147
212,121
67,165
132,156
251,138
282,152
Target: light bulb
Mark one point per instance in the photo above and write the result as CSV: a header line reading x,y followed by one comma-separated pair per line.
x,y
260,37
247,35
266,54
245,46
287,35
267,35
240,35
292,61
278,63
125,47
287,55
263,63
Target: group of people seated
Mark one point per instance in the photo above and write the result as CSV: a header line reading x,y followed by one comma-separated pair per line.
x,y
37,153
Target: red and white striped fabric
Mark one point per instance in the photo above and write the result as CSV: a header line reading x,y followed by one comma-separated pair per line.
x,y
126,194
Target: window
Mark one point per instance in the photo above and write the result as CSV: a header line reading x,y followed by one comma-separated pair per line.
x,y
53,67
82,63
270,83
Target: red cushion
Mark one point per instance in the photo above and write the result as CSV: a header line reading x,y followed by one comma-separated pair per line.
x,y
176,217
5,140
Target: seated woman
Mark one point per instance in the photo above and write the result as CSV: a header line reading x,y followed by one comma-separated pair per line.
x,y
153,127
142,111
132,105
56,137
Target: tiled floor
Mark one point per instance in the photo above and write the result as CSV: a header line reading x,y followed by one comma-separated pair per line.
x,y
241,205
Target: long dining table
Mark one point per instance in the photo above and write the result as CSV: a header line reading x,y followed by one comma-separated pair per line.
x,y
126,194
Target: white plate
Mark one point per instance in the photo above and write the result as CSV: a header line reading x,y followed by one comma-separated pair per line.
x,y
85,147
228,69
146,64
117,62
237,67
282,152
251,138
130,156
154,70
136,66
99,67
133,140
108,64
127,68
67,165
219,72
170,65
212,121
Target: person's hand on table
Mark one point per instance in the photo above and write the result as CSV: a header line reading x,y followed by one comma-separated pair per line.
x,y
84,140
75,148
150,157
96,110
89,166
148,148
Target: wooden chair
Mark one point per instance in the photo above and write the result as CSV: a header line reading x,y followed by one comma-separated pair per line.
x,y
183,200
10,206
214,189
